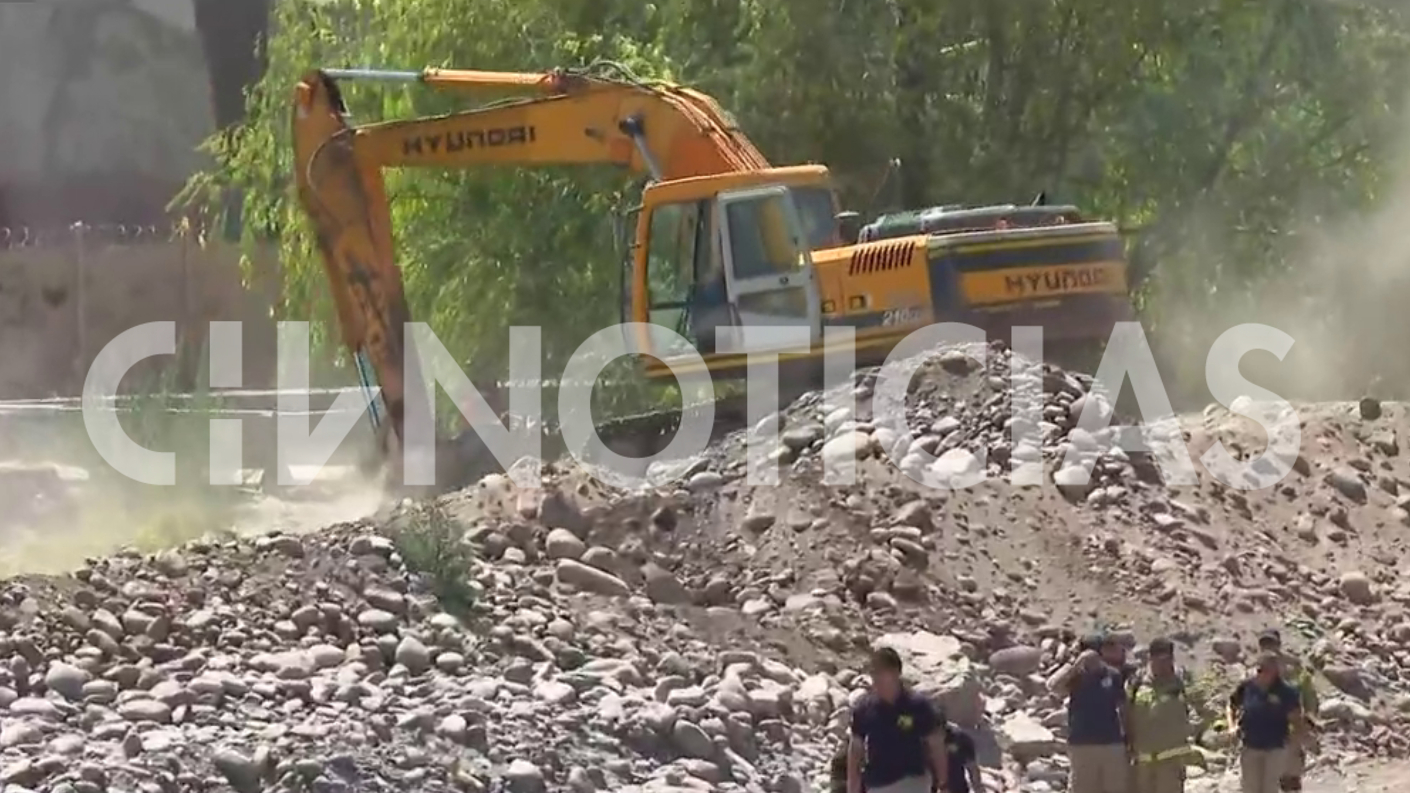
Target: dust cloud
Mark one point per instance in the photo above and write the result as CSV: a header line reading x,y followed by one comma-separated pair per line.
x,y
1343,295
97,518
65,504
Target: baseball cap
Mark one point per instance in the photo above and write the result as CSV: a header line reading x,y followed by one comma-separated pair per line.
x,y
1270,636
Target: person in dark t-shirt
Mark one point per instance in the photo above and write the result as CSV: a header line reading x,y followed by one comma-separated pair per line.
x,y
896,743
1268,714
963,761
1095,687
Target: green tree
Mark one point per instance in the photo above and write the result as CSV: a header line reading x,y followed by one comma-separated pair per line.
x,y
1221,132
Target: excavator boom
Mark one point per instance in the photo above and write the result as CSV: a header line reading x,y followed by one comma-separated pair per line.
x,y
666,132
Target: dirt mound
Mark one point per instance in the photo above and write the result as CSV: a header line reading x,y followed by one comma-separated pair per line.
x,y
703,635
1003,568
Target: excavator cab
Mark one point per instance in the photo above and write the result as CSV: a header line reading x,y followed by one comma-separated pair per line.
x,y
712,255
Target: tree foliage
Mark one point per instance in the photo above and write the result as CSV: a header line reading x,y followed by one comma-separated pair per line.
x,y
1225,133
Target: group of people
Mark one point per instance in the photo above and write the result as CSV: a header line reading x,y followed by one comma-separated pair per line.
x,y
1129,730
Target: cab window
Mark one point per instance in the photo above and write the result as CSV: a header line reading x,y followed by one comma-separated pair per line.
x,y
678,254
819,215
761,242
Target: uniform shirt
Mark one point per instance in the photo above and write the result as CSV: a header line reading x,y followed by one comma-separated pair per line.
x,y
895,735
1093,708
960,749
1297,673
1263,714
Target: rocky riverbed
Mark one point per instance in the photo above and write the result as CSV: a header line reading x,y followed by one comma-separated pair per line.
x,y
707,634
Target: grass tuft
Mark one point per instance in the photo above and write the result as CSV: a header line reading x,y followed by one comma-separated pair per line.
x,y
432,544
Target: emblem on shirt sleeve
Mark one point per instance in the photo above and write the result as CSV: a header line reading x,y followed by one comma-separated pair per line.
x,y
904,721
1273,699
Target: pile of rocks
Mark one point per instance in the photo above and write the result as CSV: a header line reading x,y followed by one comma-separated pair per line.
x,y
960,423
320,663
704,636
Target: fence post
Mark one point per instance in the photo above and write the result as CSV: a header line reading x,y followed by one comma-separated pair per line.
x,y
80,305
190,330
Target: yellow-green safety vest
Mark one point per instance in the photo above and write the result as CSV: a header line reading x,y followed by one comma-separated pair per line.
x,y
1160,727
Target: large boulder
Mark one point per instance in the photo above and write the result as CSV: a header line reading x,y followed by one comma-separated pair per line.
x,y
1026,739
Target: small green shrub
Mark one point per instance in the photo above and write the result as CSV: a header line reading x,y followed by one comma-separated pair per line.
x,y
432,544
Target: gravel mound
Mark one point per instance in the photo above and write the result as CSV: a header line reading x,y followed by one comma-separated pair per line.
x,y
707,635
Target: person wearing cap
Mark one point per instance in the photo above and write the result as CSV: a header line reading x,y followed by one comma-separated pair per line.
x,y
1159,722
1097,747
896,743
1296,674
1268,715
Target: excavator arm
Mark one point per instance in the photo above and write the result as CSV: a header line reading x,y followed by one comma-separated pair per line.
x,y
664,131
346,202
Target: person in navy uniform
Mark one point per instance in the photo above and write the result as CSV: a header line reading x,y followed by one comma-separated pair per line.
x,y
964,774
897,741
1267,713
1094,686
1296,672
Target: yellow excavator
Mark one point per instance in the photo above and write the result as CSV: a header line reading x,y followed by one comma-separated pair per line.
x,y
721,238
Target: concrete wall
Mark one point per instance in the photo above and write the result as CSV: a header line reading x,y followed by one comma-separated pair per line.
x,y
64,295
102,106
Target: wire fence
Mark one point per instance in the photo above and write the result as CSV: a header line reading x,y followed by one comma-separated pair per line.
x,y
67,291
20,237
